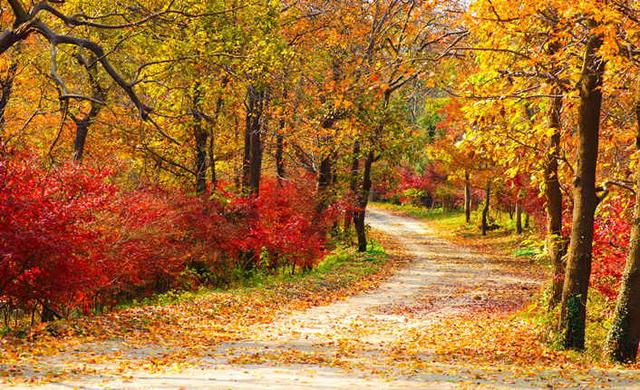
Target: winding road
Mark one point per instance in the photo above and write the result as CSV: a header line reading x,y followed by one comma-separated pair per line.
x,y
349,344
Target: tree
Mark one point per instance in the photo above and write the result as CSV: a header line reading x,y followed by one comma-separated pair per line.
x,y
624,335
585,198
29,21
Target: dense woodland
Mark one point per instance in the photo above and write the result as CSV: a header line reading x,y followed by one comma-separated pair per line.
x,y
152,145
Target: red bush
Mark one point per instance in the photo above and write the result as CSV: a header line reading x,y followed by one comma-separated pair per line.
x,y
48,242
287,225
70,239
610,243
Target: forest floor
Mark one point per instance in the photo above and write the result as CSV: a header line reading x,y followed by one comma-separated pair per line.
x,y
437,314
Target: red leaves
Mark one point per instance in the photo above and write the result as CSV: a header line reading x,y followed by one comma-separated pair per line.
x,y
46,229
286,224
611,240
73,240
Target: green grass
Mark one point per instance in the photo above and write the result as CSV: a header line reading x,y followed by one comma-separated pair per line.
x,y
343,265
418,211
453,223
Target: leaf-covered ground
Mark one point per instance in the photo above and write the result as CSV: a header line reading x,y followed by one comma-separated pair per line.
x,y
440,315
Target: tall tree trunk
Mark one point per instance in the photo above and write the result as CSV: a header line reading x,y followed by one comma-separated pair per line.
x,y
324,181
363,194
467,198
84,122
325,173
576,282
212,158
246,158
362,201
555,240
553,194
252,163
200,137
280,156
212,138
484,227
624,335
353,183
256,162
82,129
518,216
6,87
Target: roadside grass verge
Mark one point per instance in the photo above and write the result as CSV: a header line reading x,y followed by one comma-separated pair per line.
x,y
451,225
183,326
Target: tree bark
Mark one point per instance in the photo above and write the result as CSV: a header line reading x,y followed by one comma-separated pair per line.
x,y
624,335
325,173
467,198
362,201
280,156
518,216
84,123
6,87
484,227
256,162
324,181
353,183
212,138
576,282
553,194
200,137
82,130
252,163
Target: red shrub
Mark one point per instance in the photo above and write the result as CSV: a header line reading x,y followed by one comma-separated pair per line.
x,y
287,225
48,241
70,239
610,244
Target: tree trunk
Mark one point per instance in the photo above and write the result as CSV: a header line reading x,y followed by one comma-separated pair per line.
x,y
256,162
362,201
200,138
200,141
576,282
212,140
324,179
48,314
353,183
212,158
553,195
6,87
325,173
555,240
252,163
82,129
518,217
624,335
280,156
485,210
98,96
246,159
467,198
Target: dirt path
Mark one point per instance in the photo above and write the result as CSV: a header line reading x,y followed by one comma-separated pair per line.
x,y
356,343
